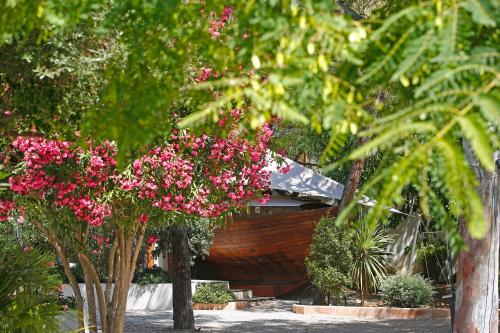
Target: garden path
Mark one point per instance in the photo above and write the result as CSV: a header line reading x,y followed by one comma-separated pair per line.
x,y
275,317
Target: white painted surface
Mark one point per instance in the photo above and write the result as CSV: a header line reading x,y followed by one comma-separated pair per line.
x,y
69,321
147,297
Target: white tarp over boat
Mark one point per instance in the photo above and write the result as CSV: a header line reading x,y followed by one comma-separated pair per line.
x,y
306,181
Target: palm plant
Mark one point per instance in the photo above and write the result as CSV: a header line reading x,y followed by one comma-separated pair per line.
x,y
369,257
28,292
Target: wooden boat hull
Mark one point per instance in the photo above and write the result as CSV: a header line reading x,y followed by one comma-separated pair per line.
x,y
263,253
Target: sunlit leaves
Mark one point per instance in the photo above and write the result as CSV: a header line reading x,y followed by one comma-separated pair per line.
x,y
483,11
489,105
477,134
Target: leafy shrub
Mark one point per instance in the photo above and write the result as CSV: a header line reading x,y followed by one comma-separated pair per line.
x,y
213,293
406,291
66,302
152,275
330,259
28,292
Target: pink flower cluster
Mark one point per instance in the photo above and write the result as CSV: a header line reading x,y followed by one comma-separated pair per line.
x,y
217,24
153,239
6,207
200,175
66,176
204,75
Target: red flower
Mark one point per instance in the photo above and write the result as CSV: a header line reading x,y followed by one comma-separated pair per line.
x,y
143,218
153,239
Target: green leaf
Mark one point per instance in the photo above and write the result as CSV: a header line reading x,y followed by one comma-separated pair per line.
x,y
4,175
461,185
378,66
421,44
449,34
391,136
450,75
482,12
476,223
284,111
477,135
489,105
410,11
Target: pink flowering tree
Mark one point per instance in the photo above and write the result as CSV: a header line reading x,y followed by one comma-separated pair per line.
x,y
199,176
69,194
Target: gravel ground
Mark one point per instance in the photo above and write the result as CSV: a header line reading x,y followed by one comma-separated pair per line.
x,y
276,316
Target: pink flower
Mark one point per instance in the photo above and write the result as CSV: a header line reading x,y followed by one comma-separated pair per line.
x,y
80,188
143,218
6,208
217,25
153,239
204,75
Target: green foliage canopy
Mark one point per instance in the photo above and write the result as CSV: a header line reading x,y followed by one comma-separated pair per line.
x,y
305,62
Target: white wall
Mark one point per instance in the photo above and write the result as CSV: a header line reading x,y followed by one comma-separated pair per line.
x,y
148,297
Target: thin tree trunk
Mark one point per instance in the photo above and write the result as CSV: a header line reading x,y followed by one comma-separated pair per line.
x,y
121,284
99,293
353,178
60,251
476,307
91,304
181,279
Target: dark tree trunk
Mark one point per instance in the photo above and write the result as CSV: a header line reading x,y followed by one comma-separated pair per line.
x,y
477,275
181,279
353,178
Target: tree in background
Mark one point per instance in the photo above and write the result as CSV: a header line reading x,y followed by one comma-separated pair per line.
x,y
200,238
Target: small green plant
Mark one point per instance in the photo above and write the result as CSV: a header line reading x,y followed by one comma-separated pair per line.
x,y
151,275
330,260
213,293
406,291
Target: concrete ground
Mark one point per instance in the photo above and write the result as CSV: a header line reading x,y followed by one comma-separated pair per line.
x,y
276,316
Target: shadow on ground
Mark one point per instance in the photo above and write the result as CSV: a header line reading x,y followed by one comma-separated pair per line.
x,y
271,322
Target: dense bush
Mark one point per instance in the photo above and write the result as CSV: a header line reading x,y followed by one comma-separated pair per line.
x,y
330,259
152,275
406,291
213,293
